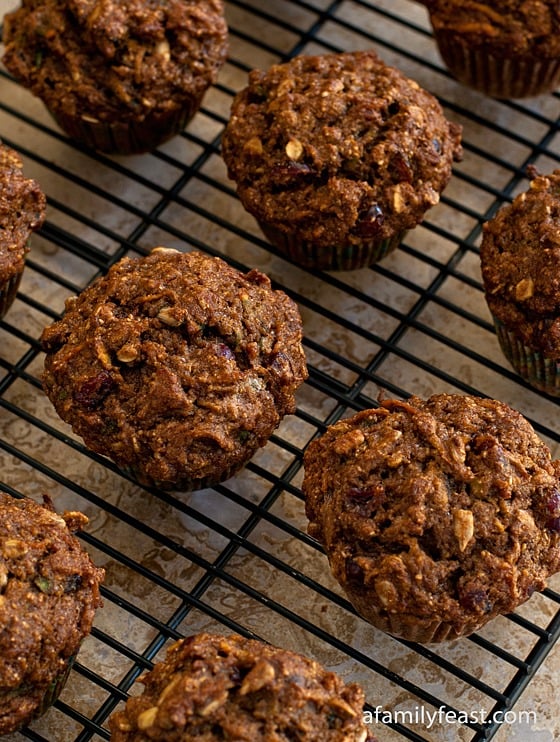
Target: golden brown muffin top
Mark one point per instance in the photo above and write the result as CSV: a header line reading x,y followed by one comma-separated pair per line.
x,y
211,688
49,591
22,210
448,507
117,58
520,261
510,27
176,365
338,148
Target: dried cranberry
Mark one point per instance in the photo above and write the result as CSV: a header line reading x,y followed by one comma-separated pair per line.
x,y
94,390
374,492
475,599
225,351
285,173
553,503
400,165
553,524
370,222
354,573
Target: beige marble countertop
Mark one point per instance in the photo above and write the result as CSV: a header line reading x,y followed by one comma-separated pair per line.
x,y
182,561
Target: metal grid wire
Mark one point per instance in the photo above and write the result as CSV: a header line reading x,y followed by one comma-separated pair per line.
x,y
237,558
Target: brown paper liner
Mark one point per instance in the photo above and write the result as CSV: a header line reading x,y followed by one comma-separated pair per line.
x,y
349,257
512,77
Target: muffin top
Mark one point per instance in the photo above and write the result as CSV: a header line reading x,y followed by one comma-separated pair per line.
x,y
49,590
448,507
509,27
520,261
118,58
212,688
175,365
338,148
22,210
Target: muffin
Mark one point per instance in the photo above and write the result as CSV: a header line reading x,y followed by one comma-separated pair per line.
x,y
176,366
337,156
520,262
22,210
212,687
436,515
505,49
121,77
49,592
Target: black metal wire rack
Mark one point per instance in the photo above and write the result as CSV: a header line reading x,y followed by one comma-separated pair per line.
x,y
236,558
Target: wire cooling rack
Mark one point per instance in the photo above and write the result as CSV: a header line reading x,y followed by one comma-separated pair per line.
x,y
236,558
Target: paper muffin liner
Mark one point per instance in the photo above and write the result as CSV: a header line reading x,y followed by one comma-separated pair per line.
x,y
540,371
55,687
184,484
347,257
498,77
413,628
50,695
8,291
127,137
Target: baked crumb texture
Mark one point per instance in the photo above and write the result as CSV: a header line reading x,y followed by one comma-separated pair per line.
x,y
436,515
212,688
337,153
49,592
120,75
520,262
22,211
509,49
176,365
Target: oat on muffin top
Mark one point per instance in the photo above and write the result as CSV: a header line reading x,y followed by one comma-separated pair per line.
x,y
509,27
122,59
22,210
448,507
338,147
520,261
211,688
175,365
49,591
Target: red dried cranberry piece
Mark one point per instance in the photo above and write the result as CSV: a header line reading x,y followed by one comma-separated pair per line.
x,y
354,573
375,492
94,390
225,351
475,599
553,503
553,524
370,222
285,173
400,165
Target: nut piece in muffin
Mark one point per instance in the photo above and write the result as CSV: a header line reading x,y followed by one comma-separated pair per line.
x,y
22,211
176,366
436,515
505,49
520,261
120,76
337,156
212,687
49,592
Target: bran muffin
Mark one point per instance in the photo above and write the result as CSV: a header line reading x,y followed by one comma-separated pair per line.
x,y
22,211
120,76
337,156
176,366
49,592
436,515
505,49
520,262
211,688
